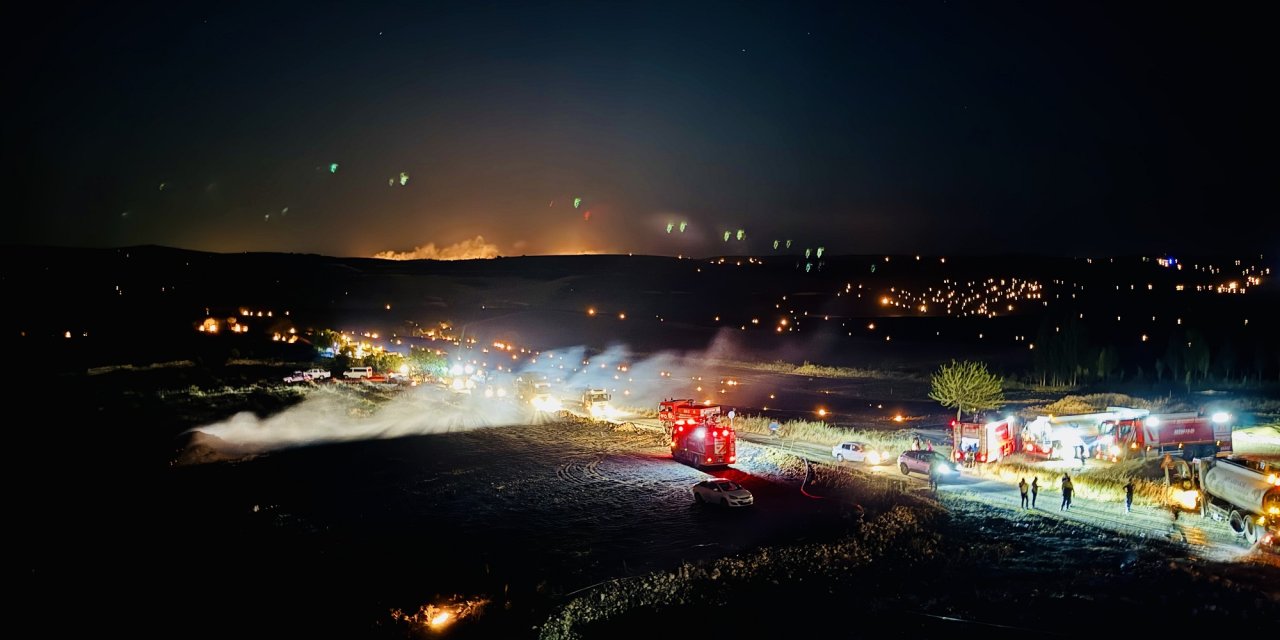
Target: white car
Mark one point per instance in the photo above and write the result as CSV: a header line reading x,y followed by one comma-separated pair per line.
x,y
722,492
318,374
297,376
859,452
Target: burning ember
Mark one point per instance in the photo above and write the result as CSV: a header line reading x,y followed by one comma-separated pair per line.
x,y
440,615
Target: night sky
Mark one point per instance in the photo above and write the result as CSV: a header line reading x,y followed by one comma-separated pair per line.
x,y
931,127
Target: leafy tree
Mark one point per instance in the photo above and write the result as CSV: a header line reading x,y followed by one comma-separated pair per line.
x,y
383,362
427,361
966,385
325,339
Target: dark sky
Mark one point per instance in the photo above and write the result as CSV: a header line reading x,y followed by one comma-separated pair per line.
x,y
938,127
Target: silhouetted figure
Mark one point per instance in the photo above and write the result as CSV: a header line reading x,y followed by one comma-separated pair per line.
x,y
1128,497
1035,490
1022,488
1067,489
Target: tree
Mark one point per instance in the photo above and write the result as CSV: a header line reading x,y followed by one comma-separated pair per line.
x,y
966,385
427,361
1108,361
1174,355
1197,354
1226,360
1062,349
385,361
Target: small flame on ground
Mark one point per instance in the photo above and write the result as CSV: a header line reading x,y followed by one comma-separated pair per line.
x,y
437,616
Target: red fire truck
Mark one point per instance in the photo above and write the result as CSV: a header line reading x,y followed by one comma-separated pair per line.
x,y
1192,434
992,440
698,438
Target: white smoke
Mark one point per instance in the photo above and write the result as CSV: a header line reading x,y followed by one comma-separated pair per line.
x,y
329,414
474,249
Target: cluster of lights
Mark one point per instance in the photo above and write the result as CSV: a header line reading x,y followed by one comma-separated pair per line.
x,y
986,298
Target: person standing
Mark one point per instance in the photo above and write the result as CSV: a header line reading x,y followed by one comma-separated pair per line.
x,y
934,472
1067,489
1035,490
1128,497
1022,488
915,443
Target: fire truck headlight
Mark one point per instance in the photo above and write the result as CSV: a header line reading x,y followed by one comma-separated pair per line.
x,y
1221,417
1115,451
873,457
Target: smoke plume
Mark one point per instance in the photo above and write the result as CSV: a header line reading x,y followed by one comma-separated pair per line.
x,y
473,249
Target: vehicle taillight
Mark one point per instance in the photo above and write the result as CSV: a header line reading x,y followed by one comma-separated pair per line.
x,y
982,457
732,458
725,433
681,428
708,459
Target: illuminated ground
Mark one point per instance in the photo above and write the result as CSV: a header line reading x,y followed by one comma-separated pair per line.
x,y
531,519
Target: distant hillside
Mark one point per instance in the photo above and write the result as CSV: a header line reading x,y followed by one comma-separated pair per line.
x,y
144,304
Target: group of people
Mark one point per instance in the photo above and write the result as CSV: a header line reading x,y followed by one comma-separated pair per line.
x,y
1068,489
970,455
1035,491
918,443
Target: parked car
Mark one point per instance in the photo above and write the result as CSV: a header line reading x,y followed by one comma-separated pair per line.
x,y
922,461
723,492
859,452
297,376
358,372
318,374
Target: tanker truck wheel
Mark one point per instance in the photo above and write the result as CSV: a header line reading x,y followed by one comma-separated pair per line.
x,y
1236,521
1250,530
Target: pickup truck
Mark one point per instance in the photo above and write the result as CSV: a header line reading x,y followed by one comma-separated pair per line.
x,y
297,376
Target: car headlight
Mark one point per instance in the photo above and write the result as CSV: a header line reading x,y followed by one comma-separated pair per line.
x,y
873,457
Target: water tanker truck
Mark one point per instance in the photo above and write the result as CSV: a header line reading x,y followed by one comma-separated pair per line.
x,y
1243,492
